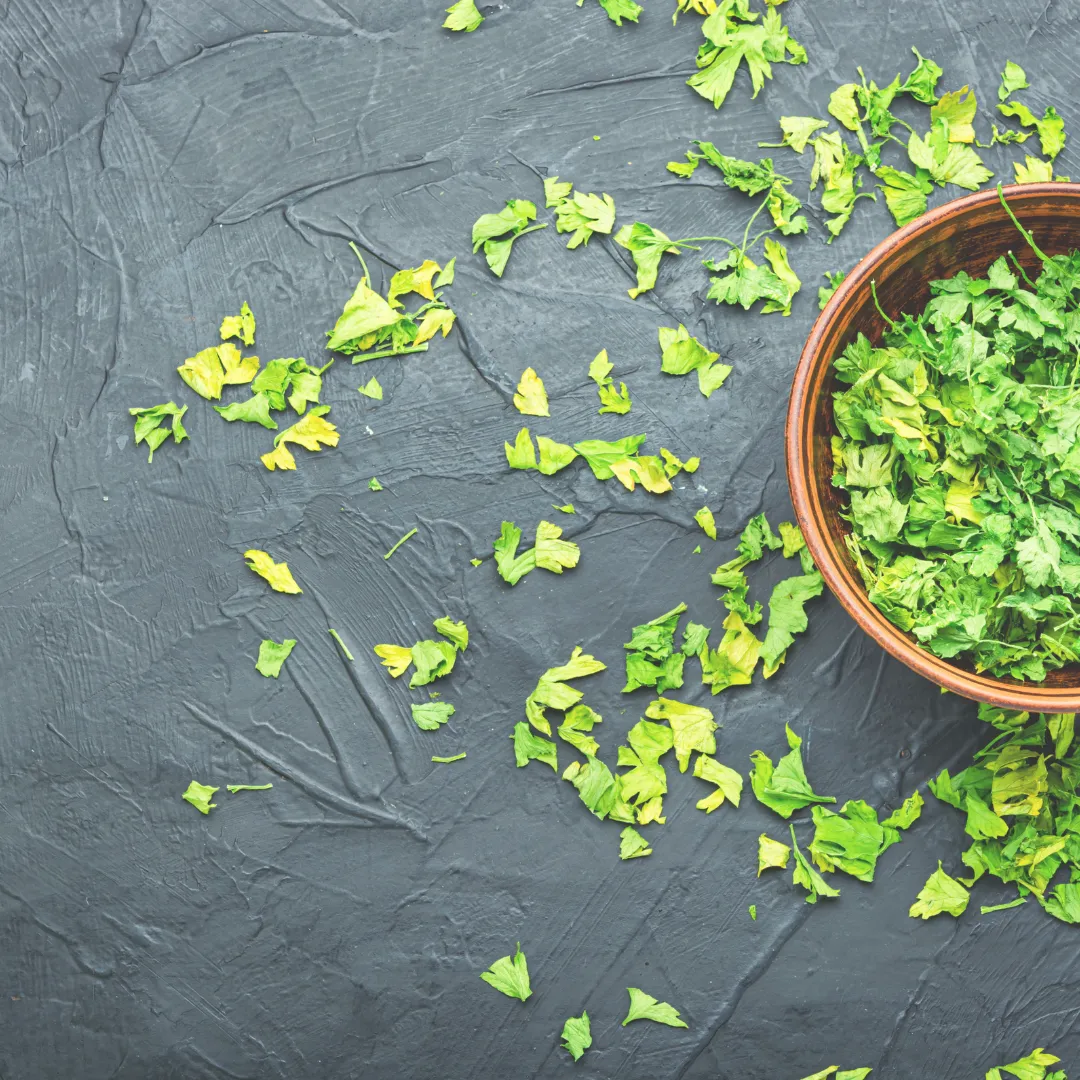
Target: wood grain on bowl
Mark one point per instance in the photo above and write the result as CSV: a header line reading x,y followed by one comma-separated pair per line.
x,y
967,234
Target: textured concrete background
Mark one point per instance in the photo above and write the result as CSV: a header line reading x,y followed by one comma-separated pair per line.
x,y
162,162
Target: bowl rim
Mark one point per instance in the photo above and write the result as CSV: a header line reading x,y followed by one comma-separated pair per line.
x,y
811,515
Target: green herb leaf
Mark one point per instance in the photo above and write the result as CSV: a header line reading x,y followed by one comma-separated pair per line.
x,y
617,10
632,845
652,659
555,191
463,16
805,875
149,429
431,715
372,389
920,84
772,854
787,616
510,976
513,220
277,575
374,485
797,131
647,246
272,656
645,1007
1012,79
692,728
941,893
681,353
577,1035
784,787
242,326
529,747
456,632
552,692
584,215
704,517
199,795
729,783
531,397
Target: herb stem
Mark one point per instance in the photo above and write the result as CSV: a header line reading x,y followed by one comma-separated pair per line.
x,y
356,252
408,536
390,352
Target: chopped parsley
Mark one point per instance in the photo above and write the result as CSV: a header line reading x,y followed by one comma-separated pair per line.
x,y
408,536
311,432
652,659
242,326
278,575
612,400
548,553
531,397
496,233
448,760
150,429
783,787
632,845
431,715
645,1007
577,1035
199,795
617,10
234,788
682,353
341,644
510,975
463,16
940,894
272,655
372,389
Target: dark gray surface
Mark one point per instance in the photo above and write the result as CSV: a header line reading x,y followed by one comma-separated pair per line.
x,y
164,161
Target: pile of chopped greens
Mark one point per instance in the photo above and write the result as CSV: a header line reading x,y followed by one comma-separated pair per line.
x,y
1020,798
958,448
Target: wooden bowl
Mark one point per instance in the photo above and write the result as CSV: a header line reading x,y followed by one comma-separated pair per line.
x,y
967,234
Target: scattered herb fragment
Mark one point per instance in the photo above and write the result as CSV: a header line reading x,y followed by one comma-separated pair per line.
x,y
372,389
611,400
772,854
149,429
476,562
448,760
531,397
632,845
311,432
941,893
234,788
681,353
241,326
374,485
509,224
784,787
208,371
341,644
1050,128
824,294
836,1073
529,747
617,10
272,656
552,692
1013,78
510,976
408,536
752,909
1031,1067
583,215
805,875
277,575
645,1007
566,508
463,16
199,795
729,783
431,715
577,1035
652,659
704,517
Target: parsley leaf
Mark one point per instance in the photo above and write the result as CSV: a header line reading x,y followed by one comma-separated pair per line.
x,y
509,224
730,43
704,517
510,976
431,715
787,616
784,787
256,410
1050,128
529,747
692,728
552,692
584,215
647,246
553,456
1031,1067
372,389
1033,170
221,365
531,397
617,10
1013,78
834,277
772,854
957,110
797,131
463,16
632,845
729,783
149,425
240,326
805,875
577,1035
555,191
921,83
645,1007
277,575
611,400
905,194
941,893
272,656
682,353
311,432
850,839
652,659
199,795
550,552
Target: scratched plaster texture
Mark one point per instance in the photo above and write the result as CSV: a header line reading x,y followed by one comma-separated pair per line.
x,y
163,161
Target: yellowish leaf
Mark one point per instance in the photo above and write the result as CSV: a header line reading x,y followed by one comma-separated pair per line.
x,y
417,280
433,321
203,373
277,574
531,397
396,658
238,369
279,458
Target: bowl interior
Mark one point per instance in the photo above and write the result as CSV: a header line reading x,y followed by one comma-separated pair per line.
x,y
968,234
